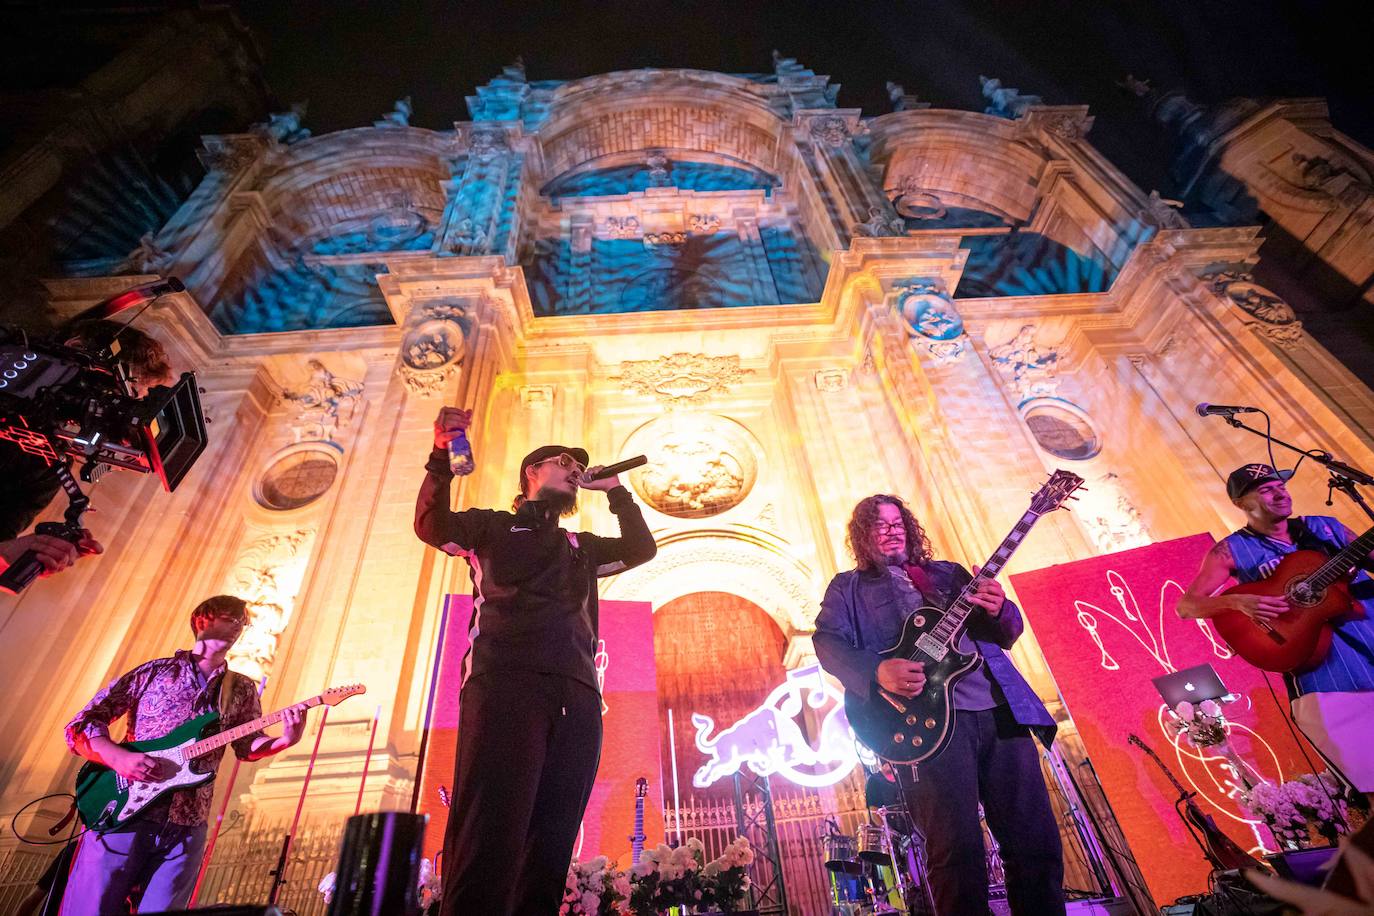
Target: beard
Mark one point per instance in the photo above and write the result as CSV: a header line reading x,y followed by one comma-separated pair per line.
x,y
564,504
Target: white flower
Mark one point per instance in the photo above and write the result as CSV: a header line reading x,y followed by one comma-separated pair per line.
x,y
1184,710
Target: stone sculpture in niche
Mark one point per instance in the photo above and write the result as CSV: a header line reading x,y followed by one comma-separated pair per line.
x,y
1030,371
326,404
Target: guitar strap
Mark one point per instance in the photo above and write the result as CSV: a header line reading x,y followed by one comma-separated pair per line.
x,y
226,692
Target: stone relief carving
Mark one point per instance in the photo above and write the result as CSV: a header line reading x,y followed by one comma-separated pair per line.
x,y
622,227
432,347
326,405
699,464
703,223
470,238
265,581
1336,181
658,169
399,116
149,257
1030,372
665,239
486,143
831,380
831,130
1006,102
683,379
931,320
1112,519
1267,312
878,225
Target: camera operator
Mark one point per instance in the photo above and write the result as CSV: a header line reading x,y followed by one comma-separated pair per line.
x,y
30,483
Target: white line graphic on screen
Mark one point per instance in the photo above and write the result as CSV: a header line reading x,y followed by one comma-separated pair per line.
x,y
1129,619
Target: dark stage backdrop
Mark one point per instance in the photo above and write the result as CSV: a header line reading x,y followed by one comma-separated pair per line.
x,y
1107,625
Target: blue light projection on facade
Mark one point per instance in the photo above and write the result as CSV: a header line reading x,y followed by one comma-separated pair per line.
x,y
687,176
1028,264
308,294
702,271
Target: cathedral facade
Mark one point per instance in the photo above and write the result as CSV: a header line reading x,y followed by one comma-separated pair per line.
x,y
785,304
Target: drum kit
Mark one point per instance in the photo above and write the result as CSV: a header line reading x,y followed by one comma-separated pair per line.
x,y
880,868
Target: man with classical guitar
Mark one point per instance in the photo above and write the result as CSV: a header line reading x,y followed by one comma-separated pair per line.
x,y
529,717
160,848
1332,701
991,757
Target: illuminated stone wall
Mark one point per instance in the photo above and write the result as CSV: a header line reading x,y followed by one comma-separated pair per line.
x,y
343,287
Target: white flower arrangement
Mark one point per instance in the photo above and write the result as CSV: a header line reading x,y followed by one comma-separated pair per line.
x,y
1204,725
595,888
681,877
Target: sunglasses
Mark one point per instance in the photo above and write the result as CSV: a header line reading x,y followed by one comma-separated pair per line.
x,y
565,461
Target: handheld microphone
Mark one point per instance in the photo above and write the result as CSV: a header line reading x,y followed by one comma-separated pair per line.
x,y
619,467
1222,410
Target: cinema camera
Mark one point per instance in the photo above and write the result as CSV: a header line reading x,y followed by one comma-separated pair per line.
x,y
64,403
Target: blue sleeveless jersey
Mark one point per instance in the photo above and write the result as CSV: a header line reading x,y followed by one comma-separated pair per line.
x,y
1344,668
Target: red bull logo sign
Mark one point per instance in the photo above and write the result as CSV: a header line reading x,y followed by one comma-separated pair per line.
x,y
770,741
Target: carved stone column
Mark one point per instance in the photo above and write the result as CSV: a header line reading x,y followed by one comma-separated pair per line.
x,y
825,138
485,164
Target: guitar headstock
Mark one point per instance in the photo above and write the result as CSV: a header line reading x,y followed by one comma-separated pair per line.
x,y
336,695
641,787
1055,492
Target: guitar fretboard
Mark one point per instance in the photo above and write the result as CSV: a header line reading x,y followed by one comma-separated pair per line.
x,y
214,742
952,623
1342,563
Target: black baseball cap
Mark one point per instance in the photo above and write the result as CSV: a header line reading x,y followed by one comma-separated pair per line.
x,y
1245,478
545,452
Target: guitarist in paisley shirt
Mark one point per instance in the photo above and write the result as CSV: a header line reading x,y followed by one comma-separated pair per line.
x,y
160,849
1333,702
991,757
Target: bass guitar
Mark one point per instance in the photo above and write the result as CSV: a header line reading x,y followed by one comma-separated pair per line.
x,y
1223,852
912,730
637,839
1318,590
105,800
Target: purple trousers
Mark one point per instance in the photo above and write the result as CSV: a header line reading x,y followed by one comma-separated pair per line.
x,y
163,859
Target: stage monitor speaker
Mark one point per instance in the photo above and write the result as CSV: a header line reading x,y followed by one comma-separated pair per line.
x,y
223,911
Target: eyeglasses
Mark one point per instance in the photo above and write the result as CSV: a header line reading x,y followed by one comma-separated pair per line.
x,y
565,461
885,528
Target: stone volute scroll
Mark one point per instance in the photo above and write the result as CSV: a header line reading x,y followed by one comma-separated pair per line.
x,y
432,347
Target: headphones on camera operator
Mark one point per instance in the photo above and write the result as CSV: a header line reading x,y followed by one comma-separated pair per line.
x,y
69,399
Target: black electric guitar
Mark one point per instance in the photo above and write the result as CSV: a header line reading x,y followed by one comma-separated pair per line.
x,y
912,730
1222,851
637,839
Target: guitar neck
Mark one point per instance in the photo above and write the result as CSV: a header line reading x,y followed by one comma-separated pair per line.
x,y
214,742
1159,763
1344,561
952,624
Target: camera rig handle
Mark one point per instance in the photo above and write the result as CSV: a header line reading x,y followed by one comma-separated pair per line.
x,y
27,567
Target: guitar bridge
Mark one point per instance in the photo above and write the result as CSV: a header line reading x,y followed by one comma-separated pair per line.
x,y
932,647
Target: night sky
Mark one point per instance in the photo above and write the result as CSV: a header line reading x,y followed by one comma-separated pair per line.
x,y
351,61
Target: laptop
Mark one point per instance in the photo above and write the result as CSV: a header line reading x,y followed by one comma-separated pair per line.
x,y
1192,684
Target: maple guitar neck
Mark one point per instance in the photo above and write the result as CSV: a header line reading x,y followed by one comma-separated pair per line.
x,y
214,742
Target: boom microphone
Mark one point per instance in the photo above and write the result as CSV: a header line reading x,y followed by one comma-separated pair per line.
x,y
144,292
1222,410
619,467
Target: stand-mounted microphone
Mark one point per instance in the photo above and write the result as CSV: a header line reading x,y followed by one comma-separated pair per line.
x,y
1222,410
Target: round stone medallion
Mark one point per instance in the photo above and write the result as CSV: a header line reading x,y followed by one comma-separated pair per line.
x,y
700,465
297,478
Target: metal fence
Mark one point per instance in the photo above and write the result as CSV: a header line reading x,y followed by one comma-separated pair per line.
x,y
244,858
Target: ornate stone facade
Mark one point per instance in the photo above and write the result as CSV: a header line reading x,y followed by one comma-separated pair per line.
x,y
776,293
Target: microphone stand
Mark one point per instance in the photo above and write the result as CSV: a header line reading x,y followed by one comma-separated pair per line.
x,y
1344,477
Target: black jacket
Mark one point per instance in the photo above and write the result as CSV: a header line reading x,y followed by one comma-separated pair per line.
x,y
534,583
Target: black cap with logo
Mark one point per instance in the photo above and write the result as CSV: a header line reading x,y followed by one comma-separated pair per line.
x,y
1245,478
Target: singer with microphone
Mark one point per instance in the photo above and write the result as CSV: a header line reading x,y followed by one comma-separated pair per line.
x,y
529,730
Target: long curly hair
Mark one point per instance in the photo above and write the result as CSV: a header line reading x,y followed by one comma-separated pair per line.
x,y
860,542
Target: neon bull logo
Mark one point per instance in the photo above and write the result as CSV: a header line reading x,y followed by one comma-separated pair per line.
x,y
768,739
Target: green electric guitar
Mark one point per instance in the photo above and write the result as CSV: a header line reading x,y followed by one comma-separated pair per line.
x,y
106,800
